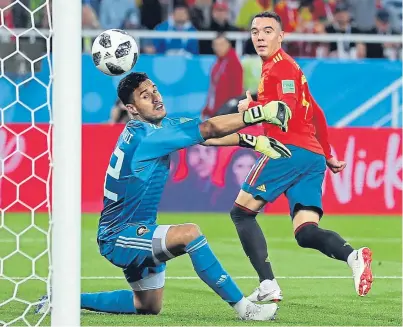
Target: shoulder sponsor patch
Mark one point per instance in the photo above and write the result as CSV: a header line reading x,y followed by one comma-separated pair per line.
x,y
288,86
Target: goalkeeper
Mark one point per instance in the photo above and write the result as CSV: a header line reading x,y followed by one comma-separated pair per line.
x,y
128,235
299,177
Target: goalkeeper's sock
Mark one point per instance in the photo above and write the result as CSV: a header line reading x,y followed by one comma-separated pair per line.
x,y
110,302
309,235
210,271
252,240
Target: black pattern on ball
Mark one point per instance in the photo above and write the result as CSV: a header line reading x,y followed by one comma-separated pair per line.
x,y
96,57
105,40
115,70
123,49
135,56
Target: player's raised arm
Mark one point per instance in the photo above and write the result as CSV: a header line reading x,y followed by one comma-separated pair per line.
x,y
266,145
144,104
170,138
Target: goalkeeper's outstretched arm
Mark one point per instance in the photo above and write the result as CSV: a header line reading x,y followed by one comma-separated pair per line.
x,y
265,145
163,141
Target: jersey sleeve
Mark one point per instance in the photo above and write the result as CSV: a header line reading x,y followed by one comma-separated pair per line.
x,y
176,135
319,121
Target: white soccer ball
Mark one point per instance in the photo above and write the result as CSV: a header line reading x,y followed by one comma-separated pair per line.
x,y
114,52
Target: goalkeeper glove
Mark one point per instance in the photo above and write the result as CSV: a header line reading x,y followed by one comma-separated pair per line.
x,y
266,145
275,112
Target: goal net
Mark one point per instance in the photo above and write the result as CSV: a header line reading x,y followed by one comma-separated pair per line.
x,y
27,225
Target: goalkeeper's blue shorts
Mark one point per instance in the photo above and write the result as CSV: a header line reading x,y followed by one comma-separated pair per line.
x,y
139,250
300,178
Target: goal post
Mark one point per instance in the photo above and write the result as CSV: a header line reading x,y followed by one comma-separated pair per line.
x,y
66,190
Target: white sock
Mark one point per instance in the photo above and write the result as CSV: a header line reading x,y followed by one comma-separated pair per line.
x,y
351,258
240,306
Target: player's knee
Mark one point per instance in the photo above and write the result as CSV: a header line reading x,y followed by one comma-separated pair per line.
x,y
239,215
155,309
191,232
150,309
305,234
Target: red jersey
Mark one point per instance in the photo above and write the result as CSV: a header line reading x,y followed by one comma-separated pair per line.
x,y
283,80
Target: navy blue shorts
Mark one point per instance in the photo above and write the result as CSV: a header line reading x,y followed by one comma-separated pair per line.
x,y
300,178
139,250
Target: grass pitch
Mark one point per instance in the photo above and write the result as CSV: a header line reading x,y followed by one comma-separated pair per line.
x,y
318,291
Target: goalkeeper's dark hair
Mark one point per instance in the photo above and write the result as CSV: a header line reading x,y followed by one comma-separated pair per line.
x,y
128,84
270,14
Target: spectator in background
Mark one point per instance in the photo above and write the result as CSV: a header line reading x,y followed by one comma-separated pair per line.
x,y
221,15
394,9
342,24
382,27
288,12
15,16
178,22
249,9
89,21
40,14
308,21
119,14
323,10
226,79
363,13
200,14
94,4
235,7
151,13
219,23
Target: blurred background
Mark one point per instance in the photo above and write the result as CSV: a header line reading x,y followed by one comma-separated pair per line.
x,y
200,55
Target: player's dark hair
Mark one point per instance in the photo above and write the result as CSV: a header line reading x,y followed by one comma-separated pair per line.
x,y
180,4
128,84
270,14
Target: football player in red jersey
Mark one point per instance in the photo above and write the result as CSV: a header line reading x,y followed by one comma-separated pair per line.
x,y
299,177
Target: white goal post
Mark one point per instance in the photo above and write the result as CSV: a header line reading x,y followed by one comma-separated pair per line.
x,y
66,211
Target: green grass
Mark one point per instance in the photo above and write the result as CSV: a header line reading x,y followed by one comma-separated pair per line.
x,y
311,302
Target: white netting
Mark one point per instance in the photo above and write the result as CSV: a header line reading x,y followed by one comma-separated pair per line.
x,y
25,156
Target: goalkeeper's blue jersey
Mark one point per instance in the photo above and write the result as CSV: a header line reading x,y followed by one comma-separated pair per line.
x,y
138,170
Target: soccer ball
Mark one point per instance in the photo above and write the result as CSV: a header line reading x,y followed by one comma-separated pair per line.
x,y
114,52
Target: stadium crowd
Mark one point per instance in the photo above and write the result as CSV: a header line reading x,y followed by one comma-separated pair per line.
x,y
381,17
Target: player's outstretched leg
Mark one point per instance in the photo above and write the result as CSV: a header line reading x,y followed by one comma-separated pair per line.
x,y
309,235
118,302
255,247
188,238
147,302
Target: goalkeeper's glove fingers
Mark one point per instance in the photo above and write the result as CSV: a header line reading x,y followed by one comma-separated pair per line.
x,y
266,145
275,112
